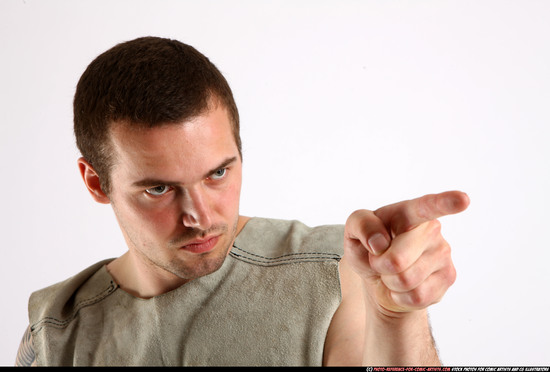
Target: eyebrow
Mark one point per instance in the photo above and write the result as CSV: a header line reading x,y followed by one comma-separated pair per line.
x,y
149,182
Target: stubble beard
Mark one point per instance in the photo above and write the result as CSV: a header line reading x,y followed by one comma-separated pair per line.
x,y
199,265
205,263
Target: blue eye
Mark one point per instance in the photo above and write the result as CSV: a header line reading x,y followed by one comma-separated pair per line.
x,y
219,174
158,190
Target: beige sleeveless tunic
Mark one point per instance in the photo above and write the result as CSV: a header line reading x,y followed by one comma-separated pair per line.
x,y
270,303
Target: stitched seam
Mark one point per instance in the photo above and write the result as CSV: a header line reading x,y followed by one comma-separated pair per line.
x,y
280,263
322,255
289,261
268,261
319,258
82,304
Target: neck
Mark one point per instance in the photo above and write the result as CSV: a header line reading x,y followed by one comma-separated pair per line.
x,y
129,272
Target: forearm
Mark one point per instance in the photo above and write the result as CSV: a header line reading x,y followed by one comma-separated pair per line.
x,y
399,340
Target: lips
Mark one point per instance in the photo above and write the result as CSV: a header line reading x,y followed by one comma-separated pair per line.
x,y
201,245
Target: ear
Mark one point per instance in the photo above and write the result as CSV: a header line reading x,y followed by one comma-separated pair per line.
x,y
91,180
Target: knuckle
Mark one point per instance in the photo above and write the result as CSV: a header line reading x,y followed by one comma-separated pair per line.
x,y
356,216
450,275
395,263
446,249
418,298
443,253
434,227
405,281
361,221
362,214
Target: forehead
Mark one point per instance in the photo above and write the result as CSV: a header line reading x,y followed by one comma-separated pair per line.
x,y
179,152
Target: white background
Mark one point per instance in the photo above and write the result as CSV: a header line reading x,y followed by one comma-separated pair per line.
x,y
344,105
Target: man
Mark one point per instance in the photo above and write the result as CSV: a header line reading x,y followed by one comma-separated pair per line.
x,y
158,130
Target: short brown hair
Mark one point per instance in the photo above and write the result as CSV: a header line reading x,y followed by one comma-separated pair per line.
x,y
146,82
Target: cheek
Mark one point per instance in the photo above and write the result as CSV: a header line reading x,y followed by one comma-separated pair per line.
x,y
156,220
225,203
231,198
164,220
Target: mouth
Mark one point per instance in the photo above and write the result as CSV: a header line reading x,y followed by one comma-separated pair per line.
x,y
201,245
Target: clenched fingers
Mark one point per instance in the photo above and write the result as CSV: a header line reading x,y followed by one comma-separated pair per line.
x,y
417,268
429,262
407,248
428,292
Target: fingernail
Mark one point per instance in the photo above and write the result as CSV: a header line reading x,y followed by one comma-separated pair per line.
x,y
378,243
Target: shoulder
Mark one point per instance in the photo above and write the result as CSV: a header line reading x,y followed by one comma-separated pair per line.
x,y
59,303
279,240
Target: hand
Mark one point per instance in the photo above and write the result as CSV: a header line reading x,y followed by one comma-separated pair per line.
x,y
400,254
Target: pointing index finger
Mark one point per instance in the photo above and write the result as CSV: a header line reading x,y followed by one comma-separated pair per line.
x,y
406,215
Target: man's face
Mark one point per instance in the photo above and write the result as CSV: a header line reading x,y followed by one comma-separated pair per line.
x,y
175,193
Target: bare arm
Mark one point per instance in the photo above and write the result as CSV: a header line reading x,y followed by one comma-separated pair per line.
x,y
360,335
404,340
25,354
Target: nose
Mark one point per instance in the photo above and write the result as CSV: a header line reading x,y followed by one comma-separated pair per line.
x,y
196,210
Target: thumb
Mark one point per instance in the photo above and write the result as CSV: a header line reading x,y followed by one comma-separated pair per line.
x,y
365,227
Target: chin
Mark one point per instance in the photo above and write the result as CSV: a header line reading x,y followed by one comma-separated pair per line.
x,y
201,265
